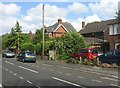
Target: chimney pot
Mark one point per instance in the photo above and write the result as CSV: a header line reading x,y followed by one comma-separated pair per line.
x,y
83,24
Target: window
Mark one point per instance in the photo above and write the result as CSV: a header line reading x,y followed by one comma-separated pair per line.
x,y
111,30
114,29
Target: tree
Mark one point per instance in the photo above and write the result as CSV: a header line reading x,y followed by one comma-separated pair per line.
x,y
118,13
38,36
67,44
27,46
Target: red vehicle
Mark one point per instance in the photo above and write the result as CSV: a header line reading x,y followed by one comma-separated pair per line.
x,y
88,53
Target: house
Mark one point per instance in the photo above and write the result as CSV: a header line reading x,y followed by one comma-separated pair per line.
x,y
59,28
104,35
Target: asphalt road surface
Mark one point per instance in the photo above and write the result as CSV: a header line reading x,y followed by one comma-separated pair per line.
x,y
55,74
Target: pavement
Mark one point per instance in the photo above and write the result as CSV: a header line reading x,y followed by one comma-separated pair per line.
x,y
45,73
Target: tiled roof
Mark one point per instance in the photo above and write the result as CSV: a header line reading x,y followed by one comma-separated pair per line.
x,y
67,25
93,40
97,26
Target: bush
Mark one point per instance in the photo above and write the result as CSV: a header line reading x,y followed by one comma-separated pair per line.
x,y
63,57
72,60
27,46
38,49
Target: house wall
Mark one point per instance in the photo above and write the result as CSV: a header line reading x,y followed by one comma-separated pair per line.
x,y
59,32
112,39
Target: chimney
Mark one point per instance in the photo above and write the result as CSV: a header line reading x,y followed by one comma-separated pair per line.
x,y
59,20
83,24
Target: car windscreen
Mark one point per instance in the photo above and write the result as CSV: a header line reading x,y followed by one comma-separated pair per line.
x,y
93,51
30,54
9,51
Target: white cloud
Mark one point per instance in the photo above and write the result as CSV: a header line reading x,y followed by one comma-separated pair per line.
x,y
105,8
92,18
77,7
9,9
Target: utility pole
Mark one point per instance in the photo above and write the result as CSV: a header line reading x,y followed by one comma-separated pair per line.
x,y
43,33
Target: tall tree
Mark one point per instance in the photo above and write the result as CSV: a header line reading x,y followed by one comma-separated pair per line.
x,y
118,13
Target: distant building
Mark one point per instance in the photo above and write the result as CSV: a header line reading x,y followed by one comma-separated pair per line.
x,y
104,35
59,28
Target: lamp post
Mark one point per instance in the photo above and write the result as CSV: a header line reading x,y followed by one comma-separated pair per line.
x,y
18,40
43,33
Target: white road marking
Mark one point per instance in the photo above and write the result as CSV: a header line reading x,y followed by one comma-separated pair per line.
x,y
0,85
21,77
6,69
80,77
0,66
29,81
38,87
114,85
9,63
59,72
10,71
109,78
47,65
15,74
76,69
3,68
68,74
50,70
62,67
67,82
43,68
96,81
28,69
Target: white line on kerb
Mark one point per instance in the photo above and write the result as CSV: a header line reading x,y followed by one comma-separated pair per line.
x,y
28,69
9,63
67,82
29,82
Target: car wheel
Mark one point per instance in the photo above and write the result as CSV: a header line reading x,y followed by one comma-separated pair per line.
x,y
23,60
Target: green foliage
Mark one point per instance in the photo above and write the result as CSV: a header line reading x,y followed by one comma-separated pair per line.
x,y
62,57
38,48
68,43
27,46
72,60
38,36
118,13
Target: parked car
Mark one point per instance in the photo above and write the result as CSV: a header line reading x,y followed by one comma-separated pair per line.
x,y
110,57
26,56
88,53
8,53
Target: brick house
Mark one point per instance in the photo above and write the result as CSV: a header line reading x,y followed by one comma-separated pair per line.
x,y
104,35
59,28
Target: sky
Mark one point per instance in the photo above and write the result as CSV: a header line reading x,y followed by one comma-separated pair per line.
x,y
29,13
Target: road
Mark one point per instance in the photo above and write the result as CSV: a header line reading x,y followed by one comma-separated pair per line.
x,y
53,73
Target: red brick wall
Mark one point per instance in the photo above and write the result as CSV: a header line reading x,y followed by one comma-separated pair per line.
x,y
112,39
59,32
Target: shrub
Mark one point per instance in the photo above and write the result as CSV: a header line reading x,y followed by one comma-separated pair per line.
x,y
27,46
